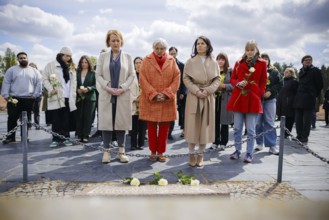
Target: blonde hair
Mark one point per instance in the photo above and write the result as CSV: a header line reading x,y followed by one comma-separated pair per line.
x,y
116,33
291,71
252,44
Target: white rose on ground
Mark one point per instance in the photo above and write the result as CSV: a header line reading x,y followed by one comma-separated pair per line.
x,y
163,182
195,182
135,182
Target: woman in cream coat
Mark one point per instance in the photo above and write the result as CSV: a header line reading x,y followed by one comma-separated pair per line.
x,y
114,75
60,81
201,78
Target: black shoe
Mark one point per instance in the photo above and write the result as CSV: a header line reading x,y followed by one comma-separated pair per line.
x,y
9,140
140,148
97,134
170,137
133,148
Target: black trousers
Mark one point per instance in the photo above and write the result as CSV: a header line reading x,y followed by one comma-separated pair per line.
x,y
221,130
60,123
326,116
36,110
303,119
290,120
15,112
138,132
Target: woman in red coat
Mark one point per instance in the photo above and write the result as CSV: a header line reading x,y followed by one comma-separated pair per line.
x,y
249,78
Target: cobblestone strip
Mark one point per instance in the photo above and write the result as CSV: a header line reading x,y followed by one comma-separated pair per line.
x,y
238,190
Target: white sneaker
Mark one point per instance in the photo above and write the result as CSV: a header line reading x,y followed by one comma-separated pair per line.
x,y
114,144
274,150
213,146
221,147
259,147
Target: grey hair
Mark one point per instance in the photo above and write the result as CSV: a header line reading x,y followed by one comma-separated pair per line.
x,y
161,42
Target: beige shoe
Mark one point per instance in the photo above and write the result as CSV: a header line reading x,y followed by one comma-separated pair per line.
x,y
199,160
121,155
106,157
192,160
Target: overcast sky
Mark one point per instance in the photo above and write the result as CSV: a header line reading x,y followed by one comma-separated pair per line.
x,y
285,29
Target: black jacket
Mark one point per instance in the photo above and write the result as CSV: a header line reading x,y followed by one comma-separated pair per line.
x,y
275,83
310,86
286,97
326,100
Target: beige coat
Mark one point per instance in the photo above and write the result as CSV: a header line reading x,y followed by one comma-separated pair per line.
x,y
200,113
57,101
123,112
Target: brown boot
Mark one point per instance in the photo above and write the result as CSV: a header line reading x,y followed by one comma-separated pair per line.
x,y
199,160
192,160
121,155
106,157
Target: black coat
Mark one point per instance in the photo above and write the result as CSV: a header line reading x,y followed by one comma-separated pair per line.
x,y
310,86
275,83
326,100
286,97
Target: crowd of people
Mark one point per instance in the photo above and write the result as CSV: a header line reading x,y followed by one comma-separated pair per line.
x,y
145,96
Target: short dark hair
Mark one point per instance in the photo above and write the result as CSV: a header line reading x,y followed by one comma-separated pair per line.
x,y
20,53
173,48
307,56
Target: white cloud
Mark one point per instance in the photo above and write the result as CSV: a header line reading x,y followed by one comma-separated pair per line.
x,y
105,11
13,47
33,23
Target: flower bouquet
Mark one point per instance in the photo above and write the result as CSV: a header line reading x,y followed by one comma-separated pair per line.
x,y
12,100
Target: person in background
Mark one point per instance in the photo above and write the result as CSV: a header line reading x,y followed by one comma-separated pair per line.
x,y
223,94
286,99
36,105
59,79
266,121
202,79
138,126
115,74
181,96
86,97
20,87
310,86
326,107
249,78
159,81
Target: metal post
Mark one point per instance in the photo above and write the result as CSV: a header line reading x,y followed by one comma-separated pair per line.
x,y
282,134
24,145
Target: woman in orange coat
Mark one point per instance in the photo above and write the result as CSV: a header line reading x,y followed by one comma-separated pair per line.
x,y
159,80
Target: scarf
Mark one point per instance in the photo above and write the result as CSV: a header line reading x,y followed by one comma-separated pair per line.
x,y
251,61
160,60
65,67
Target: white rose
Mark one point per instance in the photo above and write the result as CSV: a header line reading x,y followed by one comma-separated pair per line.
x,y
53,76
195,182
252,69
82,87
135,182
163,182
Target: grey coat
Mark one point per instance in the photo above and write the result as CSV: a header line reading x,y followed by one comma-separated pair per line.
x,y
226,117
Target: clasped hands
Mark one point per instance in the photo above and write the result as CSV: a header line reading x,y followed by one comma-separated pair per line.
x,y
160,97
115,91
242,84
202,93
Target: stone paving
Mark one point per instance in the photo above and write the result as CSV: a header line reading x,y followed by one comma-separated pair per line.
x,y
77,171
